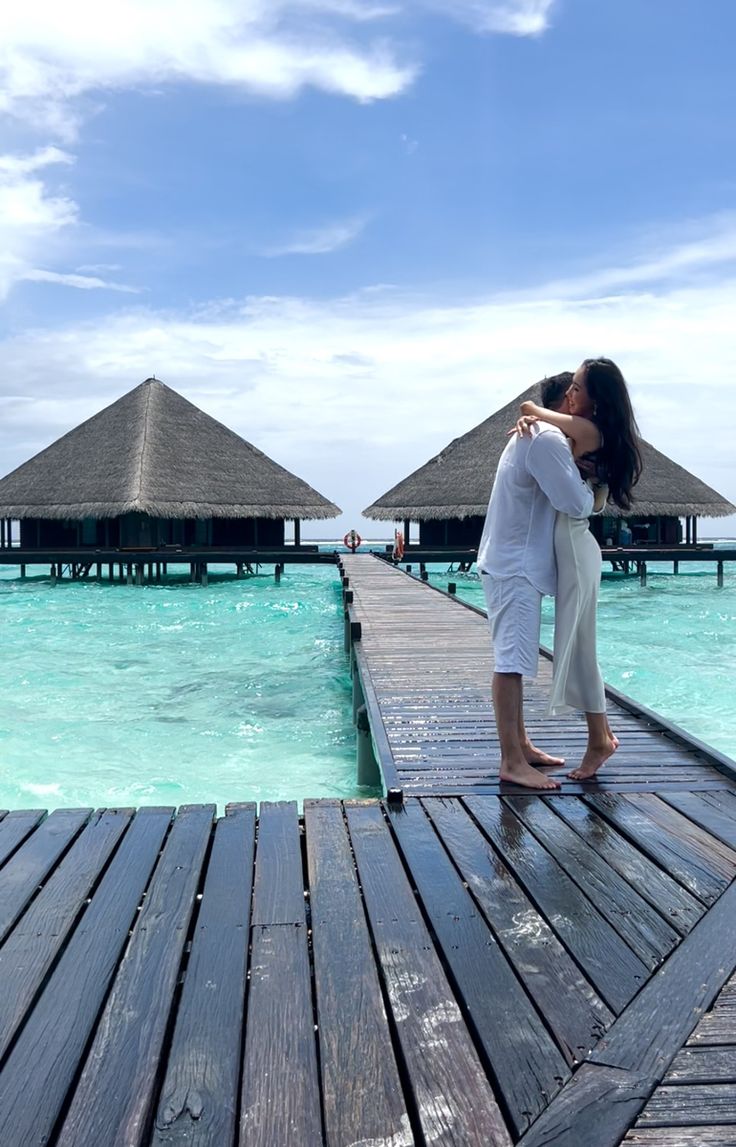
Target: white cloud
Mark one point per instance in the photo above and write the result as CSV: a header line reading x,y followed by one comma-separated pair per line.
x,y
51,54
320,241
512,17
34,222
355,392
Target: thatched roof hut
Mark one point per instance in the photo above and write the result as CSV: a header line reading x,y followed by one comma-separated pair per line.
x,y
154,453
455,484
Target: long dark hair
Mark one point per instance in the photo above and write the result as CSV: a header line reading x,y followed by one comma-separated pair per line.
x,y
619,456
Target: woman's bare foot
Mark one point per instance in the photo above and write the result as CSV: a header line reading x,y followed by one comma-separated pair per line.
x,y
522,773
594,757
535,756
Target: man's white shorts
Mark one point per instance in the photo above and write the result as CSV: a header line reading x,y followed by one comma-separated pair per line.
x,y
515,613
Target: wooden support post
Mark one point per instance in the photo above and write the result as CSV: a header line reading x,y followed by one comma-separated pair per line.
x,y
277,573
345,582
424,575
192,571
129,574
719,575
110,571
99,570
139,573
368,770
675,567
203,580
452,587
22,571
695,530
358,698
297,532
643,573
408,569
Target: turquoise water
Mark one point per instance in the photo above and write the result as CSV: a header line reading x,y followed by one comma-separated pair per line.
x,y
670,644
120,695
172,694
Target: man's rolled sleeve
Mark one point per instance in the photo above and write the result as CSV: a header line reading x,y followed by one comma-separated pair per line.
x,y
551,464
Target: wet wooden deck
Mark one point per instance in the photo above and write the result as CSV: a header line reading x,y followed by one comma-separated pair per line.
x,y
472,972
425,664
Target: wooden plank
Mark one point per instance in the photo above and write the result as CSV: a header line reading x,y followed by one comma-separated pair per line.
x,y
690,1105
717,821
606,1095
31,864
719,1025
572,1009
604,957
31,948
642,928
679,906
44,1059
525,1062
718,856
112,1101
452,1100
280,1100
703,1065
278,895
687,864
682,1137
199,1096
15,827
362,1094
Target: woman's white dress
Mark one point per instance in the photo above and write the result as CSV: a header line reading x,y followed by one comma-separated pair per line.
x,y
576,680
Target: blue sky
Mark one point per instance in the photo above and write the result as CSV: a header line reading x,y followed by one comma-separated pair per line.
x,y
351,229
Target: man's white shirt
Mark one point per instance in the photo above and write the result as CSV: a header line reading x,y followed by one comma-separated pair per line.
x,y
536,477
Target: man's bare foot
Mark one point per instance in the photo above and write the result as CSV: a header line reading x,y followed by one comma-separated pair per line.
x,y
535,756
522,773
594,757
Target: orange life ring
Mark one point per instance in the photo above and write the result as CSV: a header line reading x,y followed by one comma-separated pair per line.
x,y
352,540
398,545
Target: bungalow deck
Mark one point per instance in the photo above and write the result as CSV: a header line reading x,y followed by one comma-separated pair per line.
x,y
464,967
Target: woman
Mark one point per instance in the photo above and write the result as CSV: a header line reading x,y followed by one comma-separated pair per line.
x,y
600,423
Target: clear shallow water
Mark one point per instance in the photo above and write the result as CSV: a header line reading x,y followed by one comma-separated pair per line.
x,y
670,644
120,695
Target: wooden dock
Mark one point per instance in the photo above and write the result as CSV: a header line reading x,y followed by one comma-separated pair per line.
x,y
424,665
462,965
476,973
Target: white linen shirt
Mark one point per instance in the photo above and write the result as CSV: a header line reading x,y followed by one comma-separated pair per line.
x,y
536,477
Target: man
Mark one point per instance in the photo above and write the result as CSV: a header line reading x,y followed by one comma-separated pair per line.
x,y
536,477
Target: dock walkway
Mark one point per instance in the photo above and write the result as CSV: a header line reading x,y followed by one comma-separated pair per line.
x,y
476,973
425,664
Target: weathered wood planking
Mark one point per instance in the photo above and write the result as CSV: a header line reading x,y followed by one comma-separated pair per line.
x,y
280,1100
199,1097
401,974
113,1099
430,663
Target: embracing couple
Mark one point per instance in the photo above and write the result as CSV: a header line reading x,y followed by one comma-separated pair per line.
x,y
565,460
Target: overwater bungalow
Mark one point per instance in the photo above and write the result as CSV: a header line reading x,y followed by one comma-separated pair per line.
x,y
448,496
153,470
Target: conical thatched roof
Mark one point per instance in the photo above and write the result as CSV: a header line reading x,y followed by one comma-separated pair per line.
x,y
155,452
457,481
